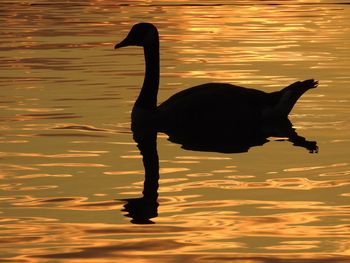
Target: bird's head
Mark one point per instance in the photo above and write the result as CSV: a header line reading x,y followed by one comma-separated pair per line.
x,y
142,34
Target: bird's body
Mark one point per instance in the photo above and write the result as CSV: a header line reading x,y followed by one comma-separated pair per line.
x,y
209,106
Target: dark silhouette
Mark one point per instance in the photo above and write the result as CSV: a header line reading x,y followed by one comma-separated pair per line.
x,y
142,209
239,140
207,105
216,117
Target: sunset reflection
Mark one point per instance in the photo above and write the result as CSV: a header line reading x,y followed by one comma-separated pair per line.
x,y
72,183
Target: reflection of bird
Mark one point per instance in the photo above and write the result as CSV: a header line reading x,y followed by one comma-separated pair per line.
x,y
205,106
210,117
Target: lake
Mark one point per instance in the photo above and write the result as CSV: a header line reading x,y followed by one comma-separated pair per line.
x,y
72,177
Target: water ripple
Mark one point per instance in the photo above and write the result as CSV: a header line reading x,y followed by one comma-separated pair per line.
x,y
67,154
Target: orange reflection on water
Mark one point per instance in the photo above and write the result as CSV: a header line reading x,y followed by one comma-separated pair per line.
x,y
281,183
218,231
70,165
40,155
62,181
70,203
38,175
295,245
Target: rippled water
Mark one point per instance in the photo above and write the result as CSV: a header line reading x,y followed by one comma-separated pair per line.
x,y
68,159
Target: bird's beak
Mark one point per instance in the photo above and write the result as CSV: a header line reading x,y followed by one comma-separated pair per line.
x,y
124,43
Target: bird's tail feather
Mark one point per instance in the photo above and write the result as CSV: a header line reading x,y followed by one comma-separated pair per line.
x,y
288,96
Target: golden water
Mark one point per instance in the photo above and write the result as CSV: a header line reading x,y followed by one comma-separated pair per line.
x,y
67,156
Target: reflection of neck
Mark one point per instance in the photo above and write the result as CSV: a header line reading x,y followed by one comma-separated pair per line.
x,y
151,164
147,144
148,95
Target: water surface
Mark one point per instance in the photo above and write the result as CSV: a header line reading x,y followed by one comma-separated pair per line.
x,y
68,159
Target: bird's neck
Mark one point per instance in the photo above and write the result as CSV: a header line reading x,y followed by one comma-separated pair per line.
x,y
147,98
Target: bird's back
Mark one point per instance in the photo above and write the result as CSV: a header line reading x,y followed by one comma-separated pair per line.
x,y
212,105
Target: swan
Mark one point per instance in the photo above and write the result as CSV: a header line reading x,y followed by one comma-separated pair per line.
x,y
208,106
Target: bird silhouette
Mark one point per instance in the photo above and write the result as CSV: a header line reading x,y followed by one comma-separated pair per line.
x,y
210,106
217,117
